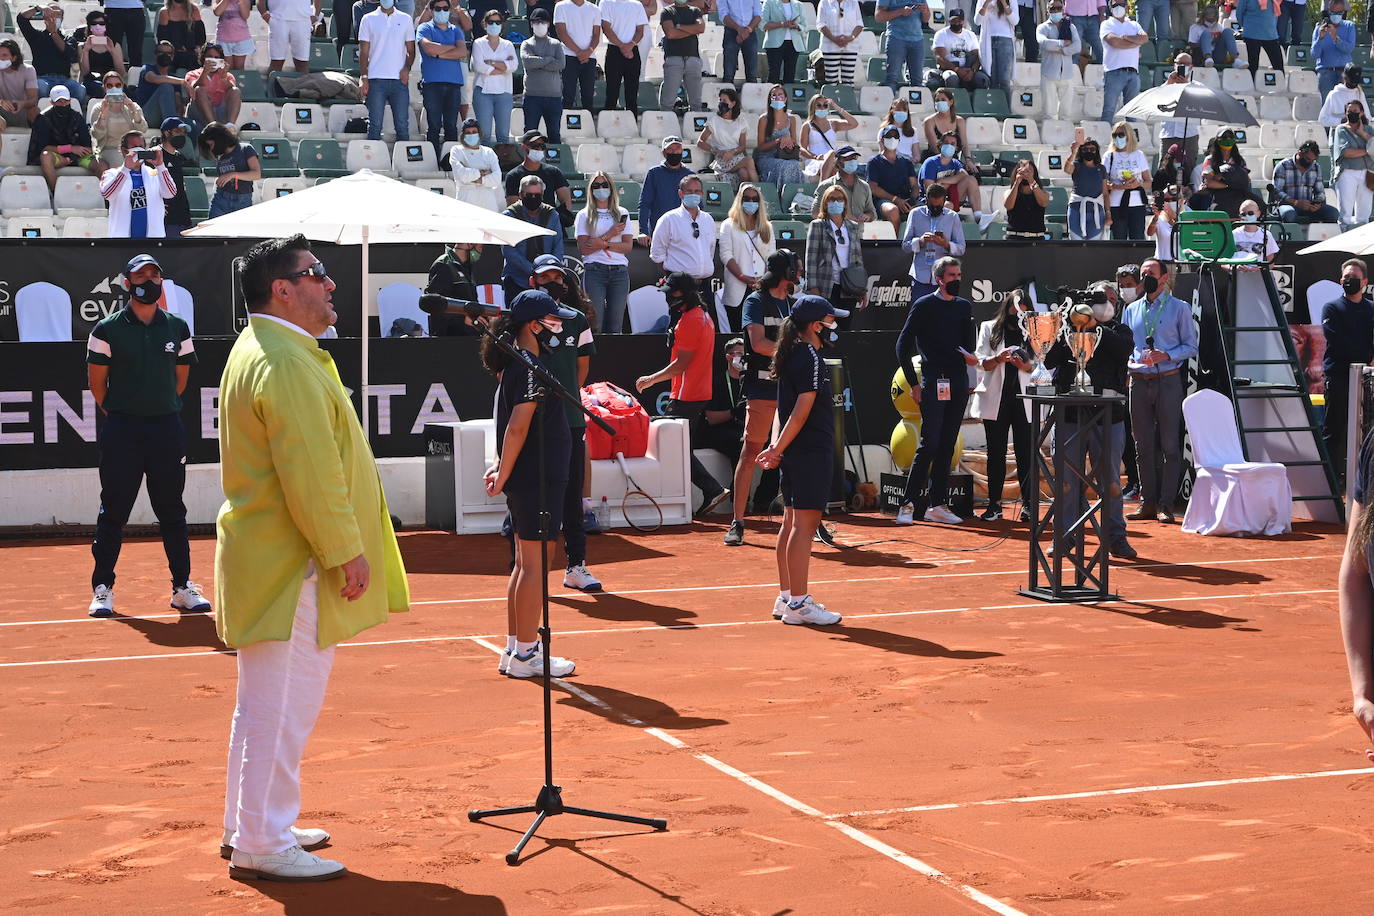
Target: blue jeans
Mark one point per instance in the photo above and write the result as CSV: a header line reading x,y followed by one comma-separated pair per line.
x,y
1324,214
380,92
160,103
548,108
1118,87
441,109
47,81
1225,41
1158,11
1003,61
607,286
912,55
1292,24
1327,80
229,201
1088,27
578,77
493,115
1069,443
733,47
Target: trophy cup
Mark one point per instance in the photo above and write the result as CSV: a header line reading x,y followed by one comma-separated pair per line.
x,y
1082,345
1041,330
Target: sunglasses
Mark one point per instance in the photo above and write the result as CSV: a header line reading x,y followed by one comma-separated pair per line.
x,y
1119,136
696,230
751,200
316,270
601,186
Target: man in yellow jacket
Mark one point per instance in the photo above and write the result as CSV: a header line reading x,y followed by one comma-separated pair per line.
x,y
303,531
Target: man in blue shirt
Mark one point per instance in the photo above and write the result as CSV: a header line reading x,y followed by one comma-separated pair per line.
x,y
1165,338
659,194
1333,43
944,169
932,232
892,179
906,40
517,261
741,21
443,47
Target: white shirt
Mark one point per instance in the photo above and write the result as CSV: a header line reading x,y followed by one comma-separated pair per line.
x,y
580,20
604,222
1333,109
1260,243
790,12
468,165
291,10
623,16
387,37
482,56
842,239
676,248
116,187
727,134
1116,58
957,45
995,25
1117,163
1164,234
841,17
287,324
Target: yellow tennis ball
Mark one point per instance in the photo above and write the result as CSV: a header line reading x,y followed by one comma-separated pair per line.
x,y
907,404
905,437
958,452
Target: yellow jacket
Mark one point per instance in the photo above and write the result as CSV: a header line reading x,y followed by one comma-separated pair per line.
x,y
300,482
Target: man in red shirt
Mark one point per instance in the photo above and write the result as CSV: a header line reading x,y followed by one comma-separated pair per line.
x,y
692,337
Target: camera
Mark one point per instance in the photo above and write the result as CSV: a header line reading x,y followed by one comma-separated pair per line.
x,y
1084,296
146,155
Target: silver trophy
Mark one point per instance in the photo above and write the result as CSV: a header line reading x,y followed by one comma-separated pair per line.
x,y
1082,345
1041,330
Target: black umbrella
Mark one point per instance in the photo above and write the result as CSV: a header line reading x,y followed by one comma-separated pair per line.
x,y
1187,102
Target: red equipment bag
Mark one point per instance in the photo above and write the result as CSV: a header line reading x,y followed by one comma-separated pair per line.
x,y
621,410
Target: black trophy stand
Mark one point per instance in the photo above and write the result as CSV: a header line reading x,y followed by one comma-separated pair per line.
x,y
549,802
1089,572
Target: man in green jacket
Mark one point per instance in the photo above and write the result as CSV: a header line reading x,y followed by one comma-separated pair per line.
x,y
303,530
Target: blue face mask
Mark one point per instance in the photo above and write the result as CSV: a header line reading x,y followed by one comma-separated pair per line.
x,y
822,114
601,193
691,201
834,207
536,155
749,206
941,106
777,104
899,117
851,166
1337,18
947,150
472,140
493,28
1056,18
388,4
441,17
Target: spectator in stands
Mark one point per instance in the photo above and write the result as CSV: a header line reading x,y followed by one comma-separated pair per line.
x,y
1060,46
1251,237
604,241
778,152
476,170
111,117
1216,44
682,69
556,193
53,52
1223,176
518,259
624,24
997,47
136,191
232,34
833,246
18,87
543,60
1340,97
724,138
784,38
1301,191
685,238
906,40
386,41
159,92
1293,20
179,22
1003,374
177,217
478,10
1087,17
741,20
1121,41
1172,169
1026,23
1348,327
578,25
1260,29
908,138
1128,175
957,61
933,232
746,241
1181,131
1163,220
443,48
236,166
360,9
1333,44
893,180
860,193
819,136
1025,203
661,187
126,22
451,275
840,23
946,119
215,94
61,139
1352,163
1088,213
98,54
943,168
1153,16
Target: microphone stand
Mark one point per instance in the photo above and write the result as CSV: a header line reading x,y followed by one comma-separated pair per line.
x,y
549,801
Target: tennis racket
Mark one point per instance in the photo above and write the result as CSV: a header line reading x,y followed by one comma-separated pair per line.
x,y
637,502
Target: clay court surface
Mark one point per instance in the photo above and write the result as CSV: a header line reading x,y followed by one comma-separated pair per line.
x,y
952,747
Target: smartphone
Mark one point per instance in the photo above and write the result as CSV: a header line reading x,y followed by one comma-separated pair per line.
x,y
146,155
98,41
1078,135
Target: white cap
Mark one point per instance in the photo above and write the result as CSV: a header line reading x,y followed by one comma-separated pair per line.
x,y
60,92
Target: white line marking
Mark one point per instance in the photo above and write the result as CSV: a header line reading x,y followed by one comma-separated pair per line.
x,y
689,626
1134,790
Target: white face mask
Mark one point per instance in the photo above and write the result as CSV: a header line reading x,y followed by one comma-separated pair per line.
x,y
1104,312
541,29
1119,12
1129,293
890,143
6,64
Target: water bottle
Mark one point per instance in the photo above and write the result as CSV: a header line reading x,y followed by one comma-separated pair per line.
x,y
603,515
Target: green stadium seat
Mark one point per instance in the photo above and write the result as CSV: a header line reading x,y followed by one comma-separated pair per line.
x,y
1148,54
349,59
877,69
1299,56
323,56
844,96
276,156
963,101
560,154
771,198
717,197
251,86
996,232
1058,207
197,197
991,103
790,191
321,159
789,230
628,193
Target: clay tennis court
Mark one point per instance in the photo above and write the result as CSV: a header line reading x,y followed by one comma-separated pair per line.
x,y
952,747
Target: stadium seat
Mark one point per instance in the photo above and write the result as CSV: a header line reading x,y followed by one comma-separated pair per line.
x,y
277,158
592,157
299,120
693,123
263,114
639,158
349,58
627,193
1057,134
1019,132
1302,82
578,126
844,96
867,129
879,230
560,155
320,157
1275,135
717,196
918,100
1274,108
983,132
655,125
251,86
86,227
1025,74
1208,77
789,230
1306,108
272,188
338,117
617,127
368,154
24,195
1099,131
1270,82
1237,82
1308,130
1050,164
197,196
442,186
323,56
874,100
1090,103
1318,231
1058,207
78,195
413,159
1026,103
1299,55
754,97
14,153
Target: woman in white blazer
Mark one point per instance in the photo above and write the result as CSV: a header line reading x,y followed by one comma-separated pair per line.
x,y
1004,369
746,240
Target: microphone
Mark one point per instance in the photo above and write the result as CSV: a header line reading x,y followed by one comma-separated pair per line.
x,y
435,304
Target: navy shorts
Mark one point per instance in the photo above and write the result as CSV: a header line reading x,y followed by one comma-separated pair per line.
x,y
806,479
523,506
759,390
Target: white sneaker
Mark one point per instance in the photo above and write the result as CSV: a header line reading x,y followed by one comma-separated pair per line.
x,y
294,864
580,578
986,220
906,515
942,515
534,665
102,605
189,598
779,607
308,838
809,613
1208,62
504,663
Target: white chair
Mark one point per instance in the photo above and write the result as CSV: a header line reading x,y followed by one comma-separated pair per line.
x,y
754,97
983,132
1302,82
339,116
1270,82
639,158
1274,134
655,125
399,300
1207,76
1237,82
1274,108
44,313
1051,165
1026,102
442,186
918,100
1018,132
78,195
33,227
272,188
1025,74
1306,108
578,127
1057,134
24,195
875,100
647,307
594,157
413,159
368,154
866,130
264,114
14,154
1231,495
618,127
300,120
86,227
1308,130
879,230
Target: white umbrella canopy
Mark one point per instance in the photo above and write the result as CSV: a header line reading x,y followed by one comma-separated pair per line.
x,y
1359,241
366,208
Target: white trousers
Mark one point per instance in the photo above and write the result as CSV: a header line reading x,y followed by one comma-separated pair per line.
x,y
1352,197
1058,95
281,689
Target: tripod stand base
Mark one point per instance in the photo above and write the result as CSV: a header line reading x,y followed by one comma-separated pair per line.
x,y
550,803
1069,594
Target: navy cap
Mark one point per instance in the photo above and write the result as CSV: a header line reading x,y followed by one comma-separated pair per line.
x,y
533,304
549,262
539,14
140,260
173,124
847,152
814,308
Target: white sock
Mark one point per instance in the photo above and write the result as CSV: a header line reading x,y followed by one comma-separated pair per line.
x,y
785,595
525,649
977,214
798,601
510,644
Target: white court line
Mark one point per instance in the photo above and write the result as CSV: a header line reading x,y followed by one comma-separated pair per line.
x,y
708,588
753,782
1134,790
690,626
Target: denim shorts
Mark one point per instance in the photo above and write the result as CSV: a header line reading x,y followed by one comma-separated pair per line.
x,y
244,48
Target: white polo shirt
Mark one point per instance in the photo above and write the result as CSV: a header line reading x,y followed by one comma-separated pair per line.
x,y
579,19
624,17
386,36
1116,58
291,10
678,247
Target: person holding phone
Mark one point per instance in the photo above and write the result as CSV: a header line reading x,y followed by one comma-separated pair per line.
x,y
933,231
61,138
1025,203
53,51
137,192
98,54
1333,46
111,118
906,40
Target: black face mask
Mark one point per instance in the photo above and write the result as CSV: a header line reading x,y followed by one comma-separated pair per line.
x,y
673,159
829,336
1352,285
952,288
178,141
547,339
147,292
164,60
532,201
554,289
1351,83
1150,284
724,108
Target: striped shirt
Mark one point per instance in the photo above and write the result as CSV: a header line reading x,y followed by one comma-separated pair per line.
x,y
116,186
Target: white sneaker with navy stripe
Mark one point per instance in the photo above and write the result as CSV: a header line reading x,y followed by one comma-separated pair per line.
x,y
533,665
780,606
809,613
102,603
189,598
